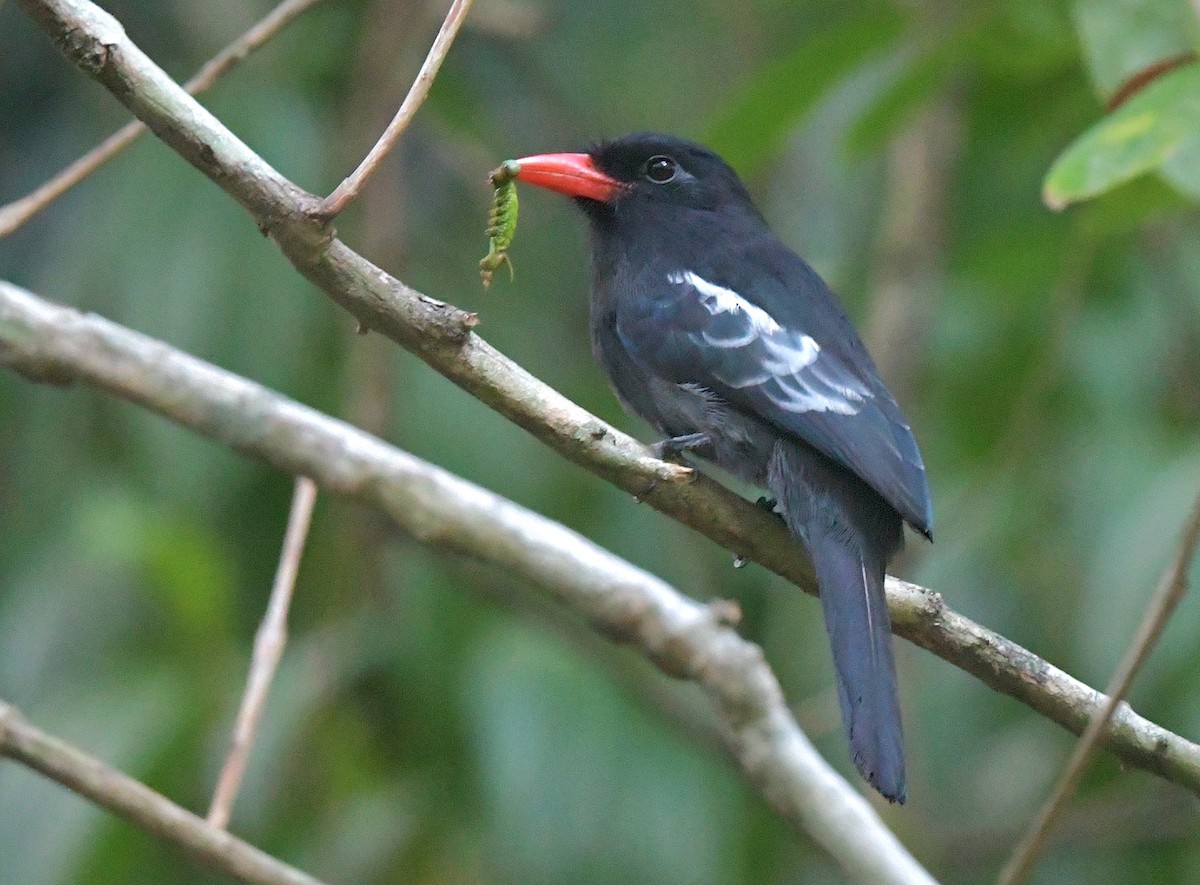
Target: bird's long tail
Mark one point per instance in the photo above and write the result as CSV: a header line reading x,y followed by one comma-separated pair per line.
x,y
850,534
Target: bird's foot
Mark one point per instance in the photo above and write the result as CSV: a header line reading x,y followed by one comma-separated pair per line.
x,y
769,505
672,446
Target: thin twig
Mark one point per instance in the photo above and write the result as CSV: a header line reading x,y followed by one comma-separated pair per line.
x,y
1171,589
349,188
137,803
269,642
15,214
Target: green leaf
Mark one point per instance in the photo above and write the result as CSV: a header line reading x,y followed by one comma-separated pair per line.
x,y
755,124
1182,169
1149,130
1122,37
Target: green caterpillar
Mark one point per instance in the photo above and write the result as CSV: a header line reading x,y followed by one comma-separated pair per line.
x,y
502,221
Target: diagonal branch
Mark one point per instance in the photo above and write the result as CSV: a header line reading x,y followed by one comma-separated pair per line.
x,y
682,637
15,214
441,335
349,188
269,642
137,803
1172,587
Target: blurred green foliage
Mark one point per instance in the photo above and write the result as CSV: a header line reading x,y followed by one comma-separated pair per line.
x,y
430,724
1131,49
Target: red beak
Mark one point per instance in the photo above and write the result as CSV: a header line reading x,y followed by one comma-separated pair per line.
x,y
572,174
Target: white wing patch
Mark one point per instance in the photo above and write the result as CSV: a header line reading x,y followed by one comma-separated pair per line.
x,y
786,354
719,299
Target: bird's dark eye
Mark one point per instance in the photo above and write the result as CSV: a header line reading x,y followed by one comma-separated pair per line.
x,y
661,169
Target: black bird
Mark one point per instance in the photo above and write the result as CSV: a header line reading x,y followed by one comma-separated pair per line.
x,y
734,349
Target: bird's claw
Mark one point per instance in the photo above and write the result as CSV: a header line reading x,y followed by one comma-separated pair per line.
x,y
767,504
672,447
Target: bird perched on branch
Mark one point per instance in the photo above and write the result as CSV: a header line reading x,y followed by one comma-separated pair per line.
x,y
734,349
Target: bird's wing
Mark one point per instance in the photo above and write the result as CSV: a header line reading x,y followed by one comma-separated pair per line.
x,y
826,392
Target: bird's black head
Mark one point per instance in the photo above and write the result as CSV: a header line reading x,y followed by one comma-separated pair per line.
x,y
640,174
668,170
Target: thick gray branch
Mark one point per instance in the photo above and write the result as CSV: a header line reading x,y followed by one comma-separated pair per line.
x,y
441,335
134,801
680,636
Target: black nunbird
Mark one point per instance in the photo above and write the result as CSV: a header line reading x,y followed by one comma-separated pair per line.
x,y
732,347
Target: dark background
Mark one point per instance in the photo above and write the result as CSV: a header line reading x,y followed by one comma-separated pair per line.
x,y
435,723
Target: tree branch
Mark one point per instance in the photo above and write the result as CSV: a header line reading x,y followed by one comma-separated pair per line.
x,y
269,642
1172,587
349,188
137,803
680,636
441,335
19,211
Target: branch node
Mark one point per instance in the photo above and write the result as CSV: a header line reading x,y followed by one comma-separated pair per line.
x,y
90,49
669,471
725,612
8,715
454,324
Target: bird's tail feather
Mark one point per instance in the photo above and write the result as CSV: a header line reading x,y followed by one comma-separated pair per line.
x,y
850,558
